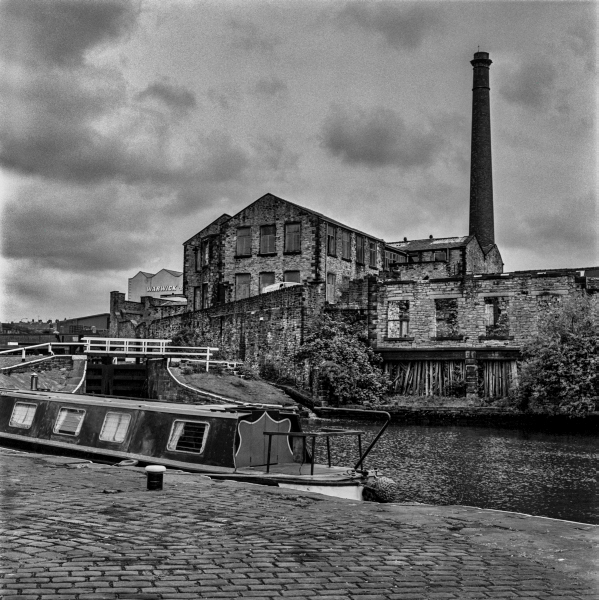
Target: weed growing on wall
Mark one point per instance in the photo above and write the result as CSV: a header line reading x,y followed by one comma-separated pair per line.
x,y
560,365
348,369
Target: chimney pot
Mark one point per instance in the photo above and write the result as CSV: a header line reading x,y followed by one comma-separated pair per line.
x,y
405,239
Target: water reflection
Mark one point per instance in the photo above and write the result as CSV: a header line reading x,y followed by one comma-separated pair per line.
x,y
553,475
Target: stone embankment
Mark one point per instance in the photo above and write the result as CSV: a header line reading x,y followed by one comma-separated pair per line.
x,y
72,530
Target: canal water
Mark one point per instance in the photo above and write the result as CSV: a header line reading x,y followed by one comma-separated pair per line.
x,y
544,474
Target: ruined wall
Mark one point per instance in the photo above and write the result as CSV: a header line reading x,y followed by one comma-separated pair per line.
x,y
480,311
478,263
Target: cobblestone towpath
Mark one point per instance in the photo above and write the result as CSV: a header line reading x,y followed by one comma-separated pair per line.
x,y
72,530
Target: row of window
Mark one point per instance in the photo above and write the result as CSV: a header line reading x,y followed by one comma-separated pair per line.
x,y
366,250
243,282
446,310
186,436
268,239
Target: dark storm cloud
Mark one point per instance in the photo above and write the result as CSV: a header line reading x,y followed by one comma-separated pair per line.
x,y
531,85
269,87
177,98
60,31
403,26
379,138
73,229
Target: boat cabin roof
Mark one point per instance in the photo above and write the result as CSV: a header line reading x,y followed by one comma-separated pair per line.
x,y
227,411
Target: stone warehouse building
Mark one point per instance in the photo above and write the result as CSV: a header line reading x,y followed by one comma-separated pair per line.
x,y
442,313
275,243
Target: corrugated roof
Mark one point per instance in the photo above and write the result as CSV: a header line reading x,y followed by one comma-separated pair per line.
x,y
431,244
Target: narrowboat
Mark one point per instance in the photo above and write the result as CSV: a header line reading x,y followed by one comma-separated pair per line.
x,y
256,443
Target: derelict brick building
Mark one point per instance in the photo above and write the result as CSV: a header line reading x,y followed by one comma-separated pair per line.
x,y
441,312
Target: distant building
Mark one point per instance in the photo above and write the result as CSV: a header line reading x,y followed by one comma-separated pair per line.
x,y
163,284
92,324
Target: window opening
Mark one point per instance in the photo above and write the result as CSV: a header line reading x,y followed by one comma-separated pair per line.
x,y
372,248
398,318
267,239
446,310
331,281
266,279
69,421
22,415
197,298
360,249
345,244
204,295
188,436
244,241
292,276
292,237
440,255
115,427
331,240
242,286
496,317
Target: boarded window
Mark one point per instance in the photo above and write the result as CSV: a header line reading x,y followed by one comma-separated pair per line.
x,y
360,249
292,237
268,235
242,286
398,319
22,415
188,436
345,244
197,298
496,316
244,241
205,301
115,427
69,421
266,279
292,276
372,253
331,240
446,310
331,285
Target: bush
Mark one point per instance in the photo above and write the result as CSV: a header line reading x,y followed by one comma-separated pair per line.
x,y
348,367
559,373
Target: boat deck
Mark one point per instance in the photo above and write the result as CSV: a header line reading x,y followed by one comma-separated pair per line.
x,y
295,469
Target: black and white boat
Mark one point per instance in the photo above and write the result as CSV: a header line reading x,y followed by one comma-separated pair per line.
x,y
254,443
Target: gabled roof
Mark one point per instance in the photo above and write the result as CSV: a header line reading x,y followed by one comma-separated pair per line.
x,y
173,273
218,221
432,243
313,212
144,273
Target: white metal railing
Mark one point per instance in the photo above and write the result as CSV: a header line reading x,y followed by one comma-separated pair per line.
x,y
143,347
49,345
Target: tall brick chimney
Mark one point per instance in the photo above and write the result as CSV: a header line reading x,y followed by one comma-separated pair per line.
x,y
481,177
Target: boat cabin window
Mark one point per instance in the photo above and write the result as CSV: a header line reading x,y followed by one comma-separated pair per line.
x,y
188,436
69,421
22,415
115,427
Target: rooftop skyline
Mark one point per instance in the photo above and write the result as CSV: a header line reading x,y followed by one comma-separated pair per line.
x,y
130,126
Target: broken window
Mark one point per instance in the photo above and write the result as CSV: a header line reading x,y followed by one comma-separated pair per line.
x,y
372,254
22,415
440,255
446,310
69,421
188,436
398,318
496,316
115,427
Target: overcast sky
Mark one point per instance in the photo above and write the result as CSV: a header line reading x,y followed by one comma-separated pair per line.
x,y
128,127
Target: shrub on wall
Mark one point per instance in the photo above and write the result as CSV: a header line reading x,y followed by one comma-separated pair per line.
x,y
348,368
560,365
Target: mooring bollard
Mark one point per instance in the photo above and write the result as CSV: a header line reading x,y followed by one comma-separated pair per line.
x,y
34,382
155,475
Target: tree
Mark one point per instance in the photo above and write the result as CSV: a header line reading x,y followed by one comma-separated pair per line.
x,y
560,364
347,365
